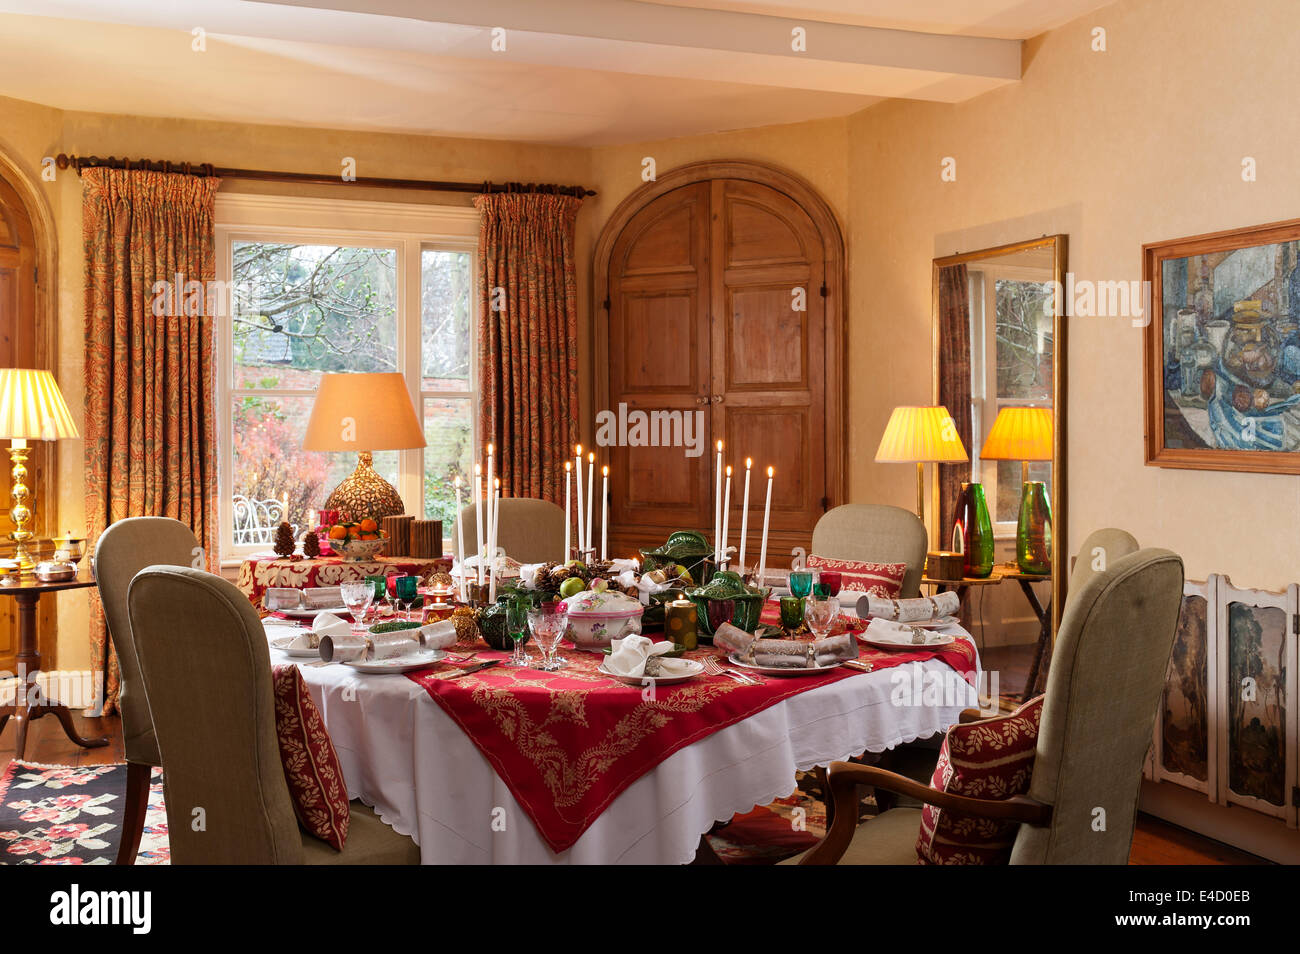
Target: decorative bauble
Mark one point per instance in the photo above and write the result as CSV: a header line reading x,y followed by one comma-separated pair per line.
x,y
465,619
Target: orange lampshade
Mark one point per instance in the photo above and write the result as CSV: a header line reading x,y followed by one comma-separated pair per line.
x,y
1020,433
32,407
920,434
362,412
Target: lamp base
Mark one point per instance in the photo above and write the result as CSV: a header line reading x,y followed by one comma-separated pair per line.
x,y
20,513
365,494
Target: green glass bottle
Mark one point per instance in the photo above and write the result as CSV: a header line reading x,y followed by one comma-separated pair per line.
x,y
976,530
1034,529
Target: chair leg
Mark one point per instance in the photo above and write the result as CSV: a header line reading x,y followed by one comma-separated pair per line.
x,y
137,802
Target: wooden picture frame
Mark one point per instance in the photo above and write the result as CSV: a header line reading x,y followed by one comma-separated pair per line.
x,y
1221,388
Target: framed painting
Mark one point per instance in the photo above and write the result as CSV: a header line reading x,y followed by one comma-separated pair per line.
x,y
1223,350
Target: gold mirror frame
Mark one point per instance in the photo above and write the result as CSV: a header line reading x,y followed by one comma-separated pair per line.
x,y
1060,526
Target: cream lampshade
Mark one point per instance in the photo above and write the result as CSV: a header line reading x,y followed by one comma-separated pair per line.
x,y
915,435
31,409
363,413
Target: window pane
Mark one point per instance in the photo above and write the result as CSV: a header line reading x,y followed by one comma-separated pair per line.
x,y
1007,506
445,310
269,466
1024,340
303,309
450,447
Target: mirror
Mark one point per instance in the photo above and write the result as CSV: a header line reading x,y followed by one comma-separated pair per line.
x,y
999,343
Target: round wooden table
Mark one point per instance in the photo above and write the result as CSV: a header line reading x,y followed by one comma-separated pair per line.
x,y
29,703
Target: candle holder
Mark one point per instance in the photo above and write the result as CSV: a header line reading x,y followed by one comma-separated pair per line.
x,y
476,593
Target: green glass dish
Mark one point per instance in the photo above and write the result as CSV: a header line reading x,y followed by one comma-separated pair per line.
x,y
726,599
687,547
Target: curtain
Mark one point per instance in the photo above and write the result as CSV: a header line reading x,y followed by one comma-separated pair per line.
x,y
528,337
954,386
150,446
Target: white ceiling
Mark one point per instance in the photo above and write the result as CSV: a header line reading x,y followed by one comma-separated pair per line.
x,y
577,72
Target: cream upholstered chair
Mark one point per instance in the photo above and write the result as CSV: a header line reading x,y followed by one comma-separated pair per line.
x,y
1100,547
1102,692
531,531
207,671
874,533
121,551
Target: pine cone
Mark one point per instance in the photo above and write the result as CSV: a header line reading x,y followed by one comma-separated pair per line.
x,y
284,545
311,545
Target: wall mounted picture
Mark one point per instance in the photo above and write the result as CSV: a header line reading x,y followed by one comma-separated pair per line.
x,y
1223,351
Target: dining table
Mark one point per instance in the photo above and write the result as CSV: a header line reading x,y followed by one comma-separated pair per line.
x,y
523,767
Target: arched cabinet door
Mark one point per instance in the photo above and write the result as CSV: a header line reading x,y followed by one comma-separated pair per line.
x,y
722,305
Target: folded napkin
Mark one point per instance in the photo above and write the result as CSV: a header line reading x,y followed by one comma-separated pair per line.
x,y
887,631
324,624
785,653
638,656
910,610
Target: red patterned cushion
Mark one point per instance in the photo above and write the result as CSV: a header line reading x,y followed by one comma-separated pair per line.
x,y
311,767
876,579
991,759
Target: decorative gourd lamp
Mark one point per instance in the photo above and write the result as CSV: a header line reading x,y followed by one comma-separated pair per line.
x,y
1025,434
916,435
363,413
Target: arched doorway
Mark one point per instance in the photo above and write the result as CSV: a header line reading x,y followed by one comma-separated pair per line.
x,y
720,300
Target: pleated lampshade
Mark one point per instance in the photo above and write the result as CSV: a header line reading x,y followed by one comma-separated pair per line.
x,y
1020,433
919,435
32,407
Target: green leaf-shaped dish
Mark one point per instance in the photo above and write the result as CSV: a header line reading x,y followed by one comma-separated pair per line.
x,y
726,595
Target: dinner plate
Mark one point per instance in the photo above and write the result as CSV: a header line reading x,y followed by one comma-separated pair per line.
x,y
282,643
937,623
311,613
785,670
696,669
416,660
940,641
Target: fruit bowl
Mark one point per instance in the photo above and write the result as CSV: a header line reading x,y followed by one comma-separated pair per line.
x,y
356,551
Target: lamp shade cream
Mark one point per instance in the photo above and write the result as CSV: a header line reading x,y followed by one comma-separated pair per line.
x,y
32,407
362,412
1020,433
916,435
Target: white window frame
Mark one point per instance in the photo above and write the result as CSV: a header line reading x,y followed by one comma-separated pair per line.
x,y
408,228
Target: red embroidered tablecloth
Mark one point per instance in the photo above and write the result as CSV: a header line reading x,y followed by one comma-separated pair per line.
x,y
568,743
258,572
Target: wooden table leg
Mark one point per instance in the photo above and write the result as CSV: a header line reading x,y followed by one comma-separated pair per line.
x,y
28,705
1044,637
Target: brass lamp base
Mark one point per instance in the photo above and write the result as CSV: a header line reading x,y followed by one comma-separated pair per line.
x,y
20,513
365,494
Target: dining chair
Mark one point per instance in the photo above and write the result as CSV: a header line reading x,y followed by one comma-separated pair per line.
x,y
121,551
1102,691
203,654
874,533
530,531
1098,549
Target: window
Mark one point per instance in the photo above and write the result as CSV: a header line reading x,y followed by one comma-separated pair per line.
x,y
318,287
1011,364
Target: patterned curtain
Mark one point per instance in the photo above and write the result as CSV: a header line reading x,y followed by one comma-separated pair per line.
x,y
528,347
954,386
150,422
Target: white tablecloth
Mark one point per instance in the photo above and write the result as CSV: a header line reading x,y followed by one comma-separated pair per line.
x,y
405,757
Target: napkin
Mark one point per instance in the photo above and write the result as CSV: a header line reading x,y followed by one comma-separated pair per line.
x,y
910,610
325,624
887,631
630,655
785,653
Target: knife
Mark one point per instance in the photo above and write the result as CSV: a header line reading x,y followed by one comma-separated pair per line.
x,y
465,672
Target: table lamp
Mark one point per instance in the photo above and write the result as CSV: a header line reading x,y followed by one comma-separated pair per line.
x,y
31,408
363,413
915,435
1025,434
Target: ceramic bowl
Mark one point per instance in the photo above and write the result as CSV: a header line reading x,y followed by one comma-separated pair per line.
x,y
597,617
355,551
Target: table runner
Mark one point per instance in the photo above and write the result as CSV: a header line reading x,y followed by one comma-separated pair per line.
x,y
568,743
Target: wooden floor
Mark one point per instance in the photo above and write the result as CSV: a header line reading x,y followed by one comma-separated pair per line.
x,y
1154,843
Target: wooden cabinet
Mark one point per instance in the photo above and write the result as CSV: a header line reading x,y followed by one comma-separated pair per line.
x,y
720,305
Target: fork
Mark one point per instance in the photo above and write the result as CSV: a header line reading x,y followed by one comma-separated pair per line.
x,y
715,668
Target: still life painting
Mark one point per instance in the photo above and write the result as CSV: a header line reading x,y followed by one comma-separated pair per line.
x,y
1223,351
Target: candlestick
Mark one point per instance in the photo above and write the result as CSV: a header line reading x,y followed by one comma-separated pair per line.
x,y
717,509
478,517
494,508
568,526
744,514
726,518
591,487
767,511
460,540
578,467
604,511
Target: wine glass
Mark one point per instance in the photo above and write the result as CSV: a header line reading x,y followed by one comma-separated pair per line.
x,y
357,595
820,613
548,624
800,583
408,591
380,585
517,625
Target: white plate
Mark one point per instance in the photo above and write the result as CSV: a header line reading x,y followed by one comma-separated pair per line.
x,y
418,660
785,670
937,623
282,643
696,669
311,613
941,640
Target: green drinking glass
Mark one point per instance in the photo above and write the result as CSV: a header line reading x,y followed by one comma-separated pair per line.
x,y
517,627
801,582
408,591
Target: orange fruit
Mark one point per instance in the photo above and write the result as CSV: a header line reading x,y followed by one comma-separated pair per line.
x,y
338,533
369,525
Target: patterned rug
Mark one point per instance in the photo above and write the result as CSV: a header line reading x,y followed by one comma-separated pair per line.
x,y
71,815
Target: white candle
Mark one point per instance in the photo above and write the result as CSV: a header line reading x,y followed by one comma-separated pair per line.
x,y
578,466
744,513
726,517
604,511
491,515
478,517
568,512
717,510
494,507
767,512
460,541
591,487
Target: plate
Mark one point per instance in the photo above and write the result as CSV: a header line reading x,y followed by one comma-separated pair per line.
x,y
418,660
941,640
937,623
311,613
784,670
282,643
696,669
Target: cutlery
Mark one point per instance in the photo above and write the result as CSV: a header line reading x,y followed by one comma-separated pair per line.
x,y
715,668
465,672
462,657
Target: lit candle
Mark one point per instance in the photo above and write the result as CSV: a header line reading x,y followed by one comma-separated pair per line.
x,y
591,487
568,512
478,518
604,511
744,513
726,517
490,533
578,467
460,540
767,512
494,507
717,510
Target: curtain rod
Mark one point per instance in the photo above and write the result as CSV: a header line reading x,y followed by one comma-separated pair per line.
x,y
63,161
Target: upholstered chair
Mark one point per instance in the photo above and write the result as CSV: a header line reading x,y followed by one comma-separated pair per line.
x,y
874,533
530,531
1100,547
1107,674
207,671
121,551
